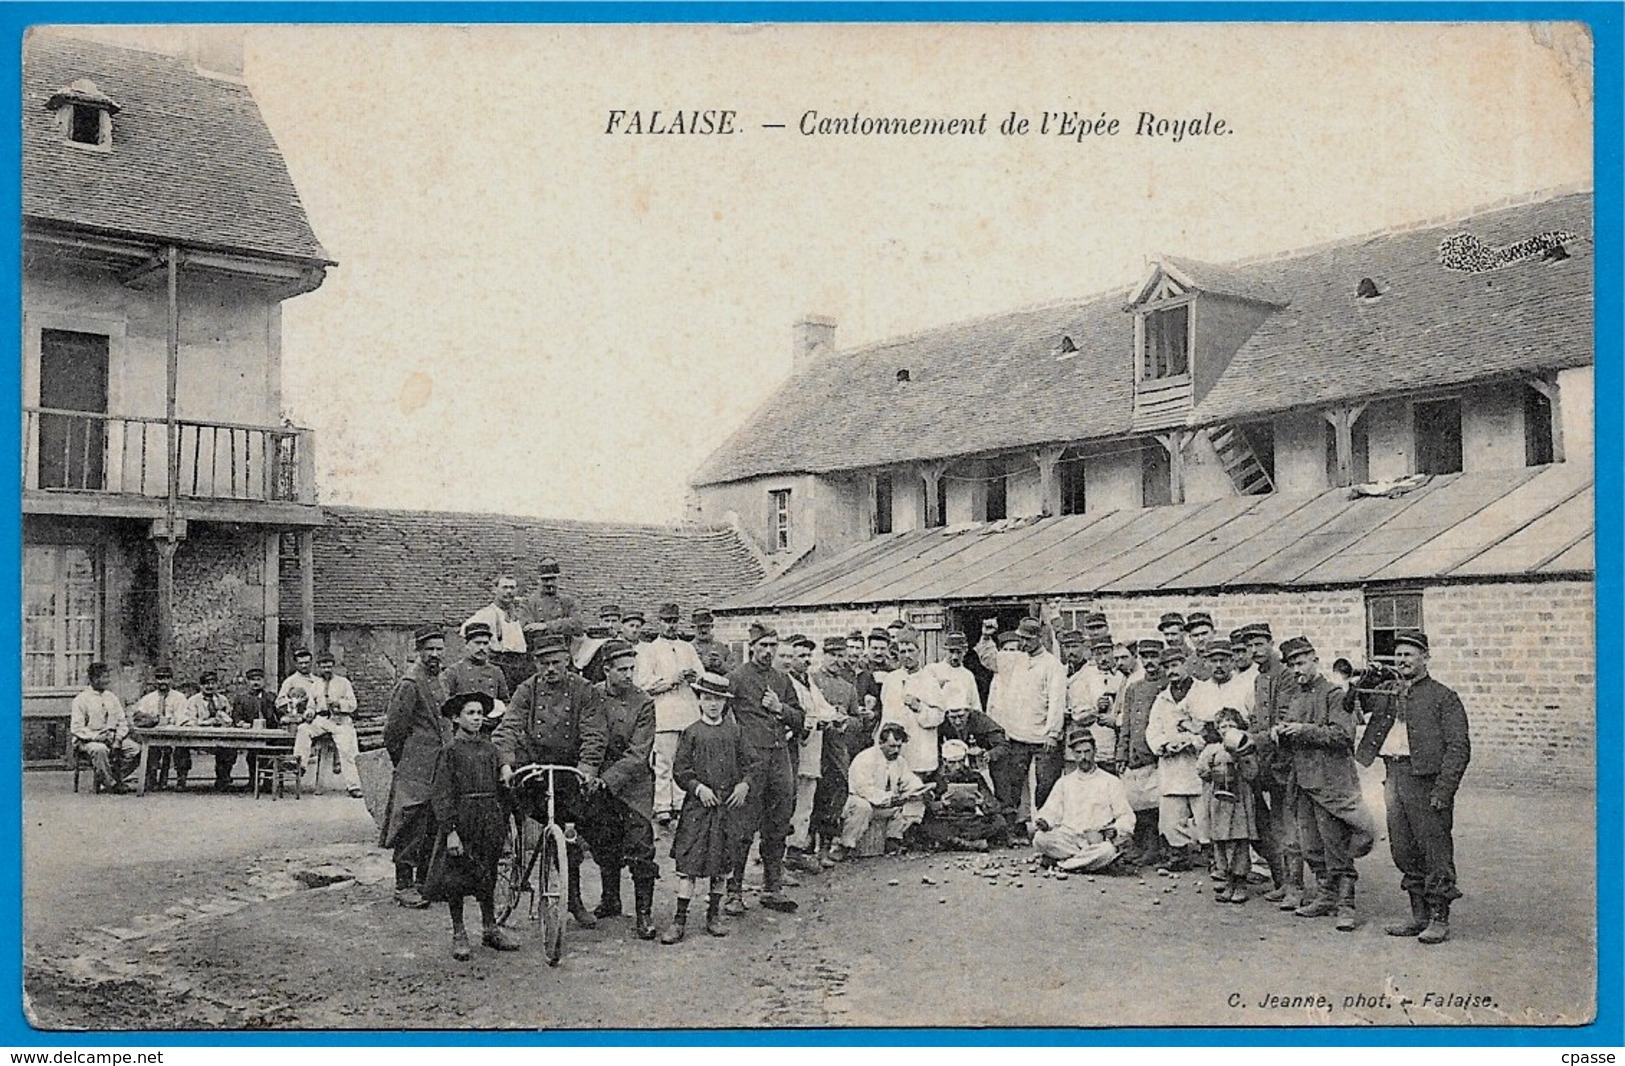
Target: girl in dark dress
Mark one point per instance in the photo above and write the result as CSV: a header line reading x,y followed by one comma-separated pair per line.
x,y
471,813
713,766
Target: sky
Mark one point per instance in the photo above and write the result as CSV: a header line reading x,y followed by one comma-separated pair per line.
x,y
533,316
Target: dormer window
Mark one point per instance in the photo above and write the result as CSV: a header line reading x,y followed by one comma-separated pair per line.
x,y
1167,343
86,114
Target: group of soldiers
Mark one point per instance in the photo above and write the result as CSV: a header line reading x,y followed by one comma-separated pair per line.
x,y
876,749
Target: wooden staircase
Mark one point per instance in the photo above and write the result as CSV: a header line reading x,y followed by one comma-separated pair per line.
x,y
1239,460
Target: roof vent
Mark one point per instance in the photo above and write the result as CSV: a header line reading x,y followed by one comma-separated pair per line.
x,y
1555,254
1066,349
902,374
1368,290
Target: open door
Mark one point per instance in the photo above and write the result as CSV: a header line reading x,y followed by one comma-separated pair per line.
x,y
72,450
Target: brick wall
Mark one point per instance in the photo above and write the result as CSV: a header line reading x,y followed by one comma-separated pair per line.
x,y
1521,655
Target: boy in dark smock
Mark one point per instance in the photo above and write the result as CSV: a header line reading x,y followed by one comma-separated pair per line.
x,y
713,767
471,815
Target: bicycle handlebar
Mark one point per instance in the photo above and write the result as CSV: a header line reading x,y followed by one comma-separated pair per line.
x,y
523,775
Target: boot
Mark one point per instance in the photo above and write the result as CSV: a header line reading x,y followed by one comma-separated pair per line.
x,y
459,946
1323,902
1418,922
679,924
1438,930
578,909
609,896
499,939
713,918
643,890
1347,919
1289,896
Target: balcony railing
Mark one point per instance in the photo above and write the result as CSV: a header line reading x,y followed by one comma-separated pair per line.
x,y
82,451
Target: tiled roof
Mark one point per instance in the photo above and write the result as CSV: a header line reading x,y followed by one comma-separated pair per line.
x,y
192,160
1532,522
849,410
1430,328
996,383
407,568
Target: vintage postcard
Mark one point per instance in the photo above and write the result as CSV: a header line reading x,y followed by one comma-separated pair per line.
x,y
1071,525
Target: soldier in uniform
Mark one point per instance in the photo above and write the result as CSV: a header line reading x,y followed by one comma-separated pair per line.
x,y
715,655
414,733
1277,826
556,717
1135,759
548,606
476,672
504,619
621,812
1199,631
1423,740
1317,731
841,741
764,703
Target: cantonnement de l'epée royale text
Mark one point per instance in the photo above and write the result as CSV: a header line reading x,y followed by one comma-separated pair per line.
x,y
1075,125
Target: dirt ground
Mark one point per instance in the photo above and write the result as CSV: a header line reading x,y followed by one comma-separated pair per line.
x,y
223,912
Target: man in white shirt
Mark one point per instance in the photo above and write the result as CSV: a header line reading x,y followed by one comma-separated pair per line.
x,y
101,731
301,691
1174,734
164,705
1031,707
881,787
1235,690
332,714
506,617
911,696
666,668
1085,814
795,660
1101,686
958,684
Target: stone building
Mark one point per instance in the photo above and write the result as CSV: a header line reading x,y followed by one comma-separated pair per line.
x,y
1211,440
161,234
380,574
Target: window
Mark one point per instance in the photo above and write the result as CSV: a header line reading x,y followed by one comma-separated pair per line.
x,y
998,492
62,606
1438,437
1385,615
1069,472
1156,476
883,494
1167,343
1537,428
85,125
779,520
1360,453
942,501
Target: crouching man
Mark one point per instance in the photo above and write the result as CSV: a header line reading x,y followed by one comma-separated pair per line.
x,y
882,788
961,812
1086,812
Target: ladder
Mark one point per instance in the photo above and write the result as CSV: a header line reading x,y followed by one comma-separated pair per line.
x,y
1236,455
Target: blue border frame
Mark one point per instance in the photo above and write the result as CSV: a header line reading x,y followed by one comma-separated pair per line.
x,y
1606,21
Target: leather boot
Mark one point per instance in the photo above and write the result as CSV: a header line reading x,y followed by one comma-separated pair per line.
x,y
1347,919
675,931
1418,922
713,919
643,890
609,897
1323,902
1438,930
578,909
1291,891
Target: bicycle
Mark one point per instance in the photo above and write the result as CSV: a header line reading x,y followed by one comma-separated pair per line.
x,y
535,865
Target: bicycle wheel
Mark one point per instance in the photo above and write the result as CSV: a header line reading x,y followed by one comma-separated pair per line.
x,y
554,891
511,881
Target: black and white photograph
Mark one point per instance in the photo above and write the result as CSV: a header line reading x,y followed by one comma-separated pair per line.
x,y
564,527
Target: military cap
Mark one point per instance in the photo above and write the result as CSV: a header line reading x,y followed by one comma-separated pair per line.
x,y
610,610
709,684
1172,618
1007,637
299,653
1199,618
762,631
1104,641
1077,735
1094,620
548,567
1073,636
800,640
454,705
701,615
1173,653
686,634
670,612
1239,636
424,634
542,642
1259,629
208,677
1218,649
834,645
598,631
633,615
1148,649
618,649
253,673
163,673
880,634
325,658
476,629
1029,627
955,639
1414,637
1295,646
855,634
897,623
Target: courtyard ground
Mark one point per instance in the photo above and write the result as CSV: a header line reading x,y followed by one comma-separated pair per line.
x,y
206,911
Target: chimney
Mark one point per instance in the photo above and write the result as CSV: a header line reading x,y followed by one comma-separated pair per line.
x,y
812,339
217,50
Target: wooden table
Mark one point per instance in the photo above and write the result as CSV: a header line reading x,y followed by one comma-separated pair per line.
x,y
201,736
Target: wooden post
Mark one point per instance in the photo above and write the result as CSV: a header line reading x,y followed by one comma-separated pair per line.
x,y
1049,486
168,539
166,546
271,575
931,475
1342,420
307,588
1173,442
1547,387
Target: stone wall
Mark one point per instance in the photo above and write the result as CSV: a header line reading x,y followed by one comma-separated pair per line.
x,y
219,601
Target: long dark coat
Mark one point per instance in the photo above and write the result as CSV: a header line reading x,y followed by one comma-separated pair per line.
x,y
708,839
468,798
414,733
629,720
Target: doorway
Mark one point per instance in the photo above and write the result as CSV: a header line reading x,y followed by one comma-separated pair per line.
x,y
967,619
73,377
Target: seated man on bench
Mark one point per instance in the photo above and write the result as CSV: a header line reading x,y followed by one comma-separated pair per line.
x,y
882,788
101,732
331,713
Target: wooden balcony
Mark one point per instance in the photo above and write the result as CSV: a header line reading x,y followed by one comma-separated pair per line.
x,y
85,463
1162,403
